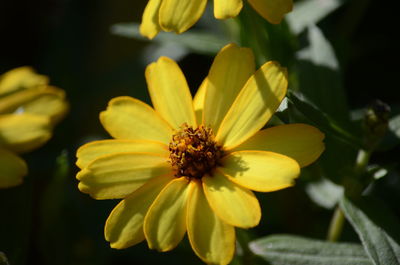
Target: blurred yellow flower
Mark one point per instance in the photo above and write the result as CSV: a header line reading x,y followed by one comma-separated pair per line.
x,y
190,165
180,15
29,108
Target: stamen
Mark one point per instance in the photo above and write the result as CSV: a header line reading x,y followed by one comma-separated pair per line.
x,y
194,152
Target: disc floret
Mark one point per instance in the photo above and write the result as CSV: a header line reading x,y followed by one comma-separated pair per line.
x,y
194,152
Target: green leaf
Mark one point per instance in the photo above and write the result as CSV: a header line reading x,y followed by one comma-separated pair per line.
x,y
315,115
294,250
268,41
394,125
319,51
323,102
377,227
197,41
341,143
309,12
319,75
324,192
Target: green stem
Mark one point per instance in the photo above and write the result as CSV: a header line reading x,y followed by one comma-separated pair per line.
x,y
361,162
338,218
243,239
336,225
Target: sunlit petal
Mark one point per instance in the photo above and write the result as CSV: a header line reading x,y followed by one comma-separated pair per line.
x,y
254,105
234,204
198,101
301,142
180,15
117,175
165,222
93,150
124,226
226,9
211,239
129,118
170,93
231,69
260,170
150,25
272,10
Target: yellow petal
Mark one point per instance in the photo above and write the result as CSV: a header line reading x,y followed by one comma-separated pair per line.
x,y
226,9
180,15
254,105
150,25
13,101
272,10
235,205
124,226
117,175
12,169
198,101
170,93
211,239
129,118
50,103
165,222
93,150
24,132
260,170
20,78
231,69
44,100
301,142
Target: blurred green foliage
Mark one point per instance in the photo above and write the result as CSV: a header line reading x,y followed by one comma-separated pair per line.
x,y
340,57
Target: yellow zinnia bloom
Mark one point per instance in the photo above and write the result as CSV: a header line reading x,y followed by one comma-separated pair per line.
x,y
190,165
29,108
180,15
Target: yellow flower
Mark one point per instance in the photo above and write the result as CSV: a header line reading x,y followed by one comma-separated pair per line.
x,y
29,108
190,165
180,15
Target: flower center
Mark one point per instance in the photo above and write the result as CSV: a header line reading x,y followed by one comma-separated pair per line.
x,y
194,152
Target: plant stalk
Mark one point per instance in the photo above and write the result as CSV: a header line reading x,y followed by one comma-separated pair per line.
x,y
338,218
336,225
243,238
362,160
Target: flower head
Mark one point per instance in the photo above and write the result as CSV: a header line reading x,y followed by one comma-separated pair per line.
x,y
180,15
29,108
189,165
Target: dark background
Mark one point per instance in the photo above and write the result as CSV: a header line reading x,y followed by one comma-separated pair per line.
x,y
47,220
